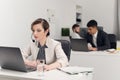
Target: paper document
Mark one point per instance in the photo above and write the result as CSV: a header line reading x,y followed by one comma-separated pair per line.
x,y
76,70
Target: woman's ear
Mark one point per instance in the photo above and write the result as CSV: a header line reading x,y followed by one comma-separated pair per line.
x,y
47,31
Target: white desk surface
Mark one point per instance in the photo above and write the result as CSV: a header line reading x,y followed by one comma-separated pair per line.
x,y
106,65
97,53
49,75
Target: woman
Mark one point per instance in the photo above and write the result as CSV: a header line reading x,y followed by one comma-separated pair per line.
x,y
43,44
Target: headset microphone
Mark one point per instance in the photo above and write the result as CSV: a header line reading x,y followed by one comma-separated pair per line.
x,y
32,38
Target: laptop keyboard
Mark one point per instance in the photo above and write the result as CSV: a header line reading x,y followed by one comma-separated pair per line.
x,y
29,69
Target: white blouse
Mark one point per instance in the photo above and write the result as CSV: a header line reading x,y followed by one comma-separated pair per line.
x,y
54,52
75,36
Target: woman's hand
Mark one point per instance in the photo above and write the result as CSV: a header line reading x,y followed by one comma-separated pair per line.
x,y
45,67
92,48
48,67
52,66
31,63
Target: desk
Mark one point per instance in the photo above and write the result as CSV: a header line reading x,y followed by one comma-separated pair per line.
x,y
49,75
106,65
118,45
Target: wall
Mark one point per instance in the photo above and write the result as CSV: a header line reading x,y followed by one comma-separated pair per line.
x,y
118,18
16,17
101,10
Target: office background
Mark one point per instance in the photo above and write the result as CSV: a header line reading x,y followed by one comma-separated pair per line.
x,y
16,17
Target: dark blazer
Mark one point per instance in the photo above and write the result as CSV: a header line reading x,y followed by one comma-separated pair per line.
x,y
102,40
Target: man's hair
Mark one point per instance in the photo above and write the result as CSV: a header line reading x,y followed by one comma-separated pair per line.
x,y
74,26
92,23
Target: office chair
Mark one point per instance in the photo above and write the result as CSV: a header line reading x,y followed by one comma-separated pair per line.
x,y
70,37
113,40
66,46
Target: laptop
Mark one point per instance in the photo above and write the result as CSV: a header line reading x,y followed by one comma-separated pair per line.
x,y
79,45
11,58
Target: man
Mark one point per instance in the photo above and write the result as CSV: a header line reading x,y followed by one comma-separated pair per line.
x,y
97,39
76,31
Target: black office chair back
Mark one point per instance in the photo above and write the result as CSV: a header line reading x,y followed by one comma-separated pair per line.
x,y
70,37
66,46
113,40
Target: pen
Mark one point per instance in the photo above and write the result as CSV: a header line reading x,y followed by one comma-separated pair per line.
x,y
86,72
67,72
75,73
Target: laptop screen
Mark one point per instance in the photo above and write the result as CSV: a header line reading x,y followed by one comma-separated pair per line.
x,y
79,44
11,58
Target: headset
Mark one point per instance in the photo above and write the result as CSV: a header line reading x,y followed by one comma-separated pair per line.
x,y
33,40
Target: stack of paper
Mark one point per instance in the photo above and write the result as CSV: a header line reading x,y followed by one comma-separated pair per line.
x,y
76,70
